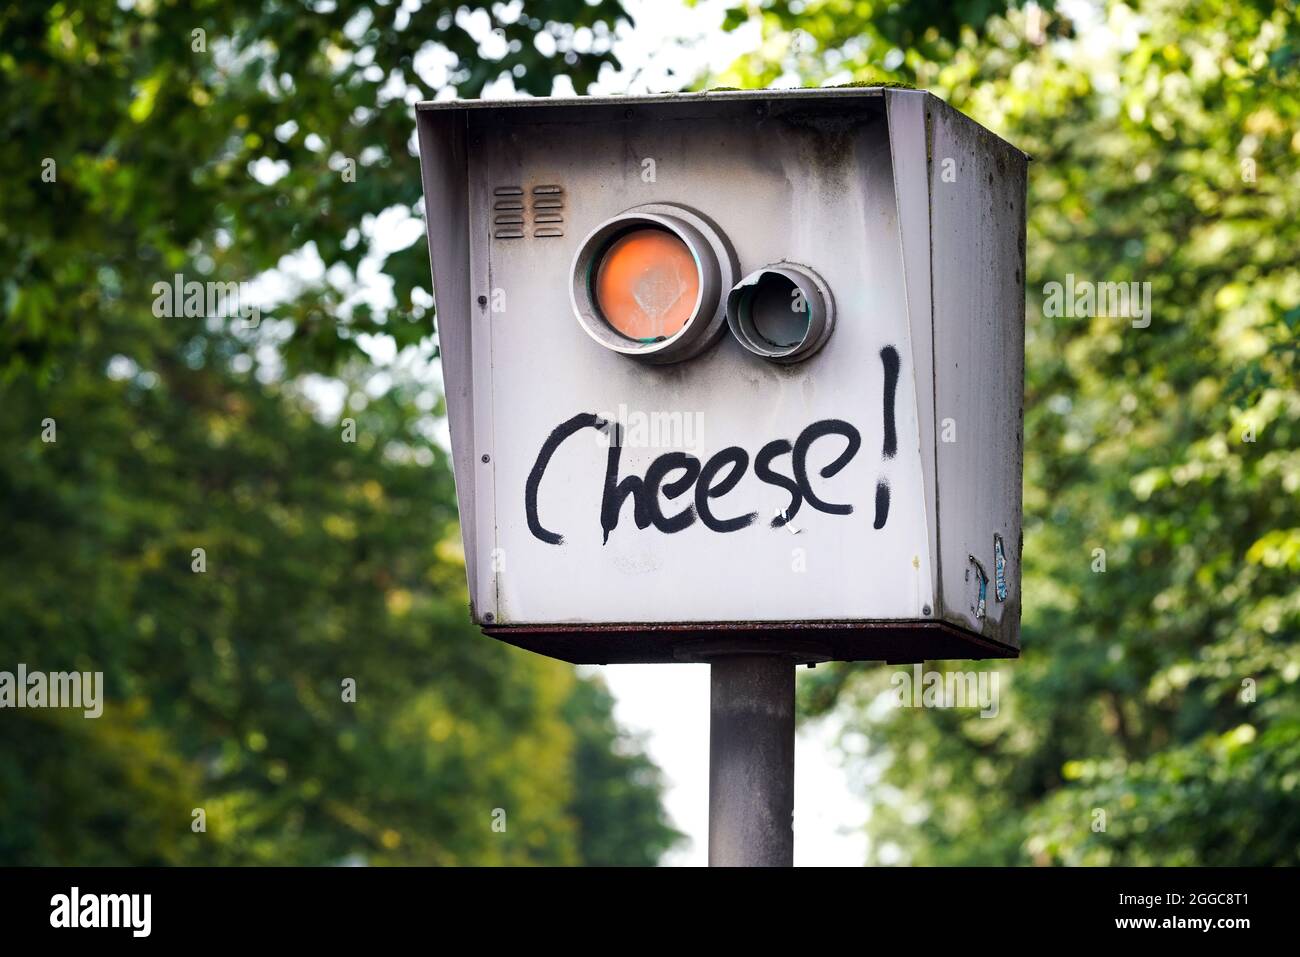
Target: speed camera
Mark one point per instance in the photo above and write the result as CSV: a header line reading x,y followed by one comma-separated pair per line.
x,y
732,368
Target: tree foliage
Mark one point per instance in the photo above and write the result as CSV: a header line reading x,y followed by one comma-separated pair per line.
x,y
1162,691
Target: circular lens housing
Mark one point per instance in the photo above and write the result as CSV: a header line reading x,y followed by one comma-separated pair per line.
x,y
649,283
783,312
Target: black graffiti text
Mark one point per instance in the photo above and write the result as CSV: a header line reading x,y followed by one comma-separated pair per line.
x,y
677,489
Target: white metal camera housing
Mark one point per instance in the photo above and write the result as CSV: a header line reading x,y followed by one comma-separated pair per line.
x,y
844,479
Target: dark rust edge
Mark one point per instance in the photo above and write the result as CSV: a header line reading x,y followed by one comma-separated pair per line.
x,y
649,643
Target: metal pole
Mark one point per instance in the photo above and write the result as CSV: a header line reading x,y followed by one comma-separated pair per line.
x,y
751,761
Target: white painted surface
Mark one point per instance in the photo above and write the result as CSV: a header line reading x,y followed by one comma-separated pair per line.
x,y
779,199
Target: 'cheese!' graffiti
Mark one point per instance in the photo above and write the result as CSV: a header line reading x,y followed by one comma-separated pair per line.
x,y
710,480
679,475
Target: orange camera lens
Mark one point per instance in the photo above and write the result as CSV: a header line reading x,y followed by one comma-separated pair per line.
x,y
647,284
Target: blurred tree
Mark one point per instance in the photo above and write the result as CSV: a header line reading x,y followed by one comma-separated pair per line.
x,y
216,137
136,142
1161,691
622,789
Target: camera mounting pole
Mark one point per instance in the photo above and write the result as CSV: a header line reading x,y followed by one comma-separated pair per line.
x,y
751,746
751,761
